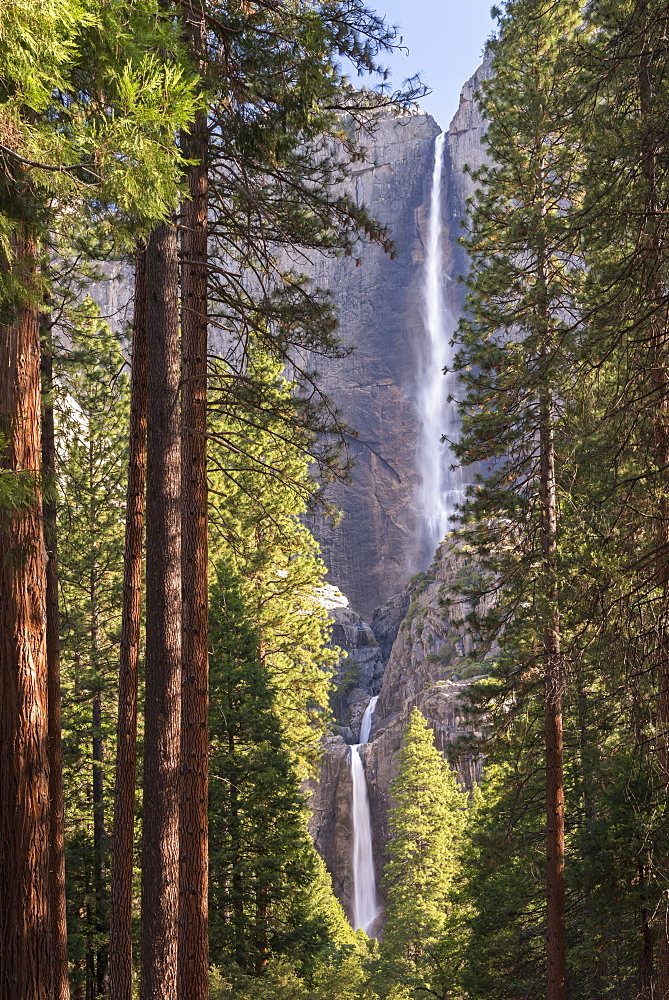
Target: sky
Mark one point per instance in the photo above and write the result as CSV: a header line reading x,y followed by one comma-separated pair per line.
x,y
445,39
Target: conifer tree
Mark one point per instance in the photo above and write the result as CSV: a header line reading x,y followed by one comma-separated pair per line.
x,y
516,343
92,412
120,918
57,903
261,487
162,712
621,109
263,863
426,823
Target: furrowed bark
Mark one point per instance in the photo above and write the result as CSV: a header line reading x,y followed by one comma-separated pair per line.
x,y
653,239
57,903
553,682
123,837
26,954
193,833
160,838
553,667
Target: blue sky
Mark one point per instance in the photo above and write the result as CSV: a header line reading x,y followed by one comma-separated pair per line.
x,y
445,39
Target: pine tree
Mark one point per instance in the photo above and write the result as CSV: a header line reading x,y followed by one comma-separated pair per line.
x,y
426,824
622,73
120,918
92,412
514,363
57,902
162,711
265,874
25,939
260,489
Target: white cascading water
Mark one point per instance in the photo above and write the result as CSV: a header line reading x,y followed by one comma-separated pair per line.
x,y
365,906
441,488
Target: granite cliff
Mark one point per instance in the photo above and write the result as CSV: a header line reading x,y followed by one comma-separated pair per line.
x,y
428,667
414,651
376,547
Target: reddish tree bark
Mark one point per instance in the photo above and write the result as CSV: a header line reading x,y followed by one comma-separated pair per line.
x,y
26,955
160,837
123,835
552,662
57,903
553,681
653,238
193,832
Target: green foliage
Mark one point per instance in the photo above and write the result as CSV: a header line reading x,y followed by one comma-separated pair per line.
x,y
426,822
269,892
338,975
88,120
91,410
261,488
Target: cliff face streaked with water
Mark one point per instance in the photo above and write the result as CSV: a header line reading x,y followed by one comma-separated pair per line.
x,y
377,546
419,634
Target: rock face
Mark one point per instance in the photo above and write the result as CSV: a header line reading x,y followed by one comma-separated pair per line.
x,y
429,667
330,823
359,672
374,550
419,631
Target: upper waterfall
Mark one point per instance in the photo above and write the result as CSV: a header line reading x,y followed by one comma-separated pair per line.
x,y
440,486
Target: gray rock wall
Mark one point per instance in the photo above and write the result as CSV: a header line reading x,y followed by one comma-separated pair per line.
x,y
428,668
375,549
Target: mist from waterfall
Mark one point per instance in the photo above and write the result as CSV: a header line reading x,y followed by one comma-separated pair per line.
x,y
440,487
365,905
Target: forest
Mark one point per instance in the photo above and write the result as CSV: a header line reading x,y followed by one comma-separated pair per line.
x,y
167,674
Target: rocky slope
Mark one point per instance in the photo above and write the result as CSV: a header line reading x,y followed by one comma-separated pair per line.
x,y
428,667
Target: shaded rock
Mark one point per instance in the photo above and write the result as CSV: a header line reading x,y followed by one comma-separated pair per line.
x,y
330,822
386,622
378,545
359,672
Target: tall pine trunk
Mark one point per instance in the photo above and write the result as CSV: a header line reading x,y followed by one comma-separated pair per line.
x,y
553,687
57,903
160,836
123,837
193,831
552,657
101,907
26,954
653,288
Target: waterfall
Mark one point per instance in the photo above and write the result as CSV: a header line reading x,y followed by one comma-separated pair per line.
x,y
440,488
366,724
365,907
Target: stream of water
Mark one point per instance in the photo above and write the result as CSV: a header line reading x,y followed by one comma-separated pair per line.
x,y
365,904
441,487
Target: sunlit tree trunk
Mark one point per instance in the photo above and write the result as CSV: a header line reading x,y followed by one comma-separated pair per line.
x,y
162,715
123,837
26,954
193,833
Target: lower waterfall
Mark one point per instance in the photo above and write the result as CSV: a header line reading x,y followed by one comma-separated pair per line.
x,y
365,906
